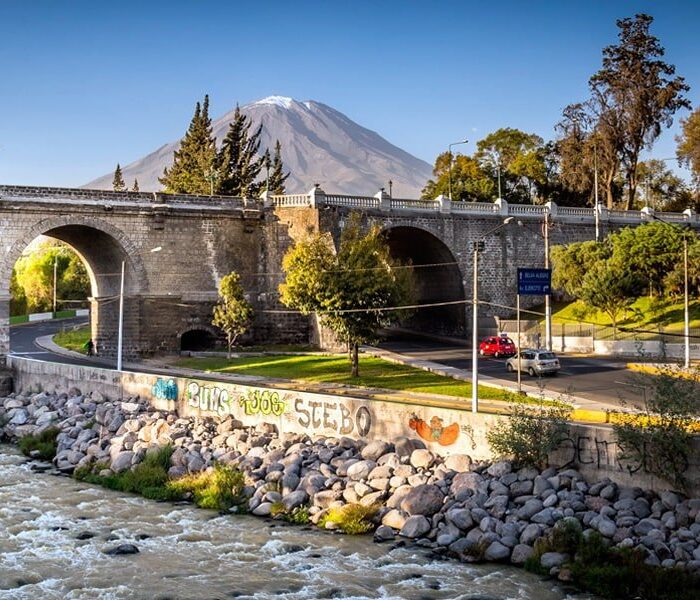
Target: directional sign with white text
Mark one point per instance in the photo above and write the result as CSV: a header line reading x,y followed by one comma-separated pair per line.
x,y
534,282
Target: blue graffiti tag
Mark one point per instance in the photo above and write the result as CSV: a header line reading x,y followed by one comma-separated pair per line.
x,y
165,390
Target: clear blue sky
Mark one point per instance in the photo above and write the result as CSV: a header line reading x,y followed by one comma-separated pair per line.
x,y
84,85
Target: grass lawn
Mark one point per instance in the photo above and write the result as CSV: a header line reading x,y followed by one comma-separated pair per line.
x,y
73,339
374,373
645,313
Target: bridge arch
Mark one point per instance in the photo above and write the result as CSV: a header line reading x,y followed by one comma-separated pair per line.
x,y
102,247
438,279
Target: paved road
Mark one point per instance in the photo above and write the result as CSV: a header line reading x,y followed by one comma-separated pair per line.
x,y
603,380
598,379
22,339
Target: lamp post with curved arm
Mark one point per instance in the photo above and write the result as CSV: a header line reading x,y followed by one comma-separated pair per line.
x,y
449,168
478,246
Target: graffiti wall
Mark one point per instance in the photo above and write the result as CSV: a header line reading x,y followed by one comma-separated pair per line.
x,y
588,448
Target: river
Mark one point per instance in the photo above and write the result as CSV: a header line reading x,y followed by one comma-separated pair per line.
x,y
188,553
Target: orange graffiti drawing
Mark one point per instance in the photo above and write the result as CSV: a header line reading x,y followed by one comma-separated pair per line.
x,y
435,432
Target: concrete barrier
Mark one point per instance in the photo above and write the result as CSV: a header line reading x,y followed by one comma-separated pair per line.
x,y
589,448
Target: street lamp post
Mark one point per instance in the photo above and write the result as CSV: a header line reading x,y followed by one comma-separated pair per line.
x,y
478,247
686,298
449,168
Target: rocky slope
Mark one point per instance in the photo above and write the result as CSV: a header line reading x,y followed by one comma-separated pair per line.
x,y
319,145
452,505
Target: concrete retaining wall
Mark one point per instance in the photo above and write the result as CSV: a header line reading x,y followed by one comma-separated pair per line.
x,y
591,449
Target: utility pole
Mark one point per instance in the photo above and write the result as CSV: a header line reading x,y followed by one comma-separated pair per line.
x,y
55,279
595,183
547,298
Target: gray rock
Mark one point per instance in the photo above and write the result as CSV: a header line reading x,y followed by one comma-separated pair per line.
x,y
448,535
405,446
415,526
122,461
499,469
521,552
263,509
521,488
423,500
497,552
530,534
606,527
461,463
361,469
394,519
422,459
384,534
545,517
375,449
669,499
529,509
460,518
122,549
465,482
295,499
553,559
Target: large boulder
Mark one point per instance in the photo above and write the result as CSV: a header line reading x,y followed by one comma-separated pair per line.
x,y
122,461
424,499
375,449
415,526
461,463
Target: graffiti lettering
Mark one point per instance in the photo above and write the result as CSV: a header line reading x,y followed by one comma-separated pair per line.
x,y
208,398
604,454
165,390
262,403
334,416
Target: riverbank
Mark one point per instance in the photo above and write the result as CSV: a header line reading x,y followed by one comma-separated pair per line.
x,y
453,507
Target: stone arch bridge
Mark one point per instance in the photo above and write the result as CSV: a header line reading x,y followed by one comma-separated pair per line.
x,y
175,249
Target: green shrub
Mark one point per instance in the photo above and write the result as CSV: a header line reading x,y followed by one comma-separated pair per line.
x,y
530,432
354,519
659,435
149,478
219,488
44,444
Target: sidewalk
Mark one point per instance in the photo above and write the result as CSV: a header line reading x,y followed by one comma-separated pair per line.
x,y
584,409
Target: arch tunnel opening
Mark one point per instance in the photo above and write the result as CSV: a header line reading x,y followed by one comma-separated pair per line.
x,y
437,279
197,340
97,271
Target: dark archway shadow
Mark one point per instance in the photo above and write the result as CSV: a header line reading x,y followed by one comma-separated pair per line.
x,y
438,279
197,340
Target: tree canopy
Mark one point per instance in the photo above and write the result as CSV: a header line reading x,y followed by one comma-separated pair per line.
x,y
350,287
33,275
192,171
689,144
232,313
118,184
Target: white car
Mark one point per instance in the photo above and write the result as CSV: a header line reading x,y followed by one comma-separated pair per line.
x,y
535,362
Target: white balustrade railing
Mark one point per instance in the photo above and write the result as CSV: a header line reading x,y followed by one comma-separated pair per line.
x,y
385,203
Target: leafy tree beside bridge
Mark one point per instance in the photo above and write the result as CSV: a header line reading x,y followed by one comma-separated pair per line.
x,y
354,290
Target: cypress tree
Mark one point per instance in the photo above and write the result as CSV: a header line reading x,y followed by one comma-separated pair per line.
x,y
193,161
118,184
238,164
277,174
136,185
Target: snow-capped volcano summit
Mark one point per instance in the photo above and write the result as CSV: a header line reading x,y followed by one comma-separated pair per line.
x,y
319,145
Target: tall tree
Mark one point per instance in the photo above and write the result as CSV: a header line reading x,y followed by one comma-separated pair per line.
x,y
517,155
637,93
354,290
193,162
233,313
470,181
237,163
661,188
688,150
118,184
276,169
135,188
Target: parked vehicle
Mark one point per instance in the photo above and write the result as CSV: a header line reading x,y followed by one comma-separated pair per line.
x,y
497,346
535,362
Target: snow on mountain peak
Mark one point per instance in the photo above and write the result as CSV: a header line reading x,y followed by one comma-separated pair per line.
x,y
281,101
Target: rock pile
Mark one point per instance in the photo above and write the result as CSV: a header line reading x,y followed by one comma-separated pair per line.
x,y
468,510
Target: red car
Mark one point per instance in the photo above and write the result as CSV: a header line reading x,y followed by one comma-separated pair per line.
x,y
497,346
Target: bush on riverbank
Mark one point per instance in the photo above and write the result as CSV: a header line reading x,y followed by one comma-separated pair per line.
x,y
219,488
354,519
149,478
42,445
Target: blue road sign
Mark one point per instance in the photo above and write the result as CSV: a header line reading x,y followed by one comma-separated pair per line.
x,y
534,282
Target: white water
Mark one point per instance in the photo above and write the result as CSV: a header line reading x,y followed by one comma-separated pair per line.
x,y
197,554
